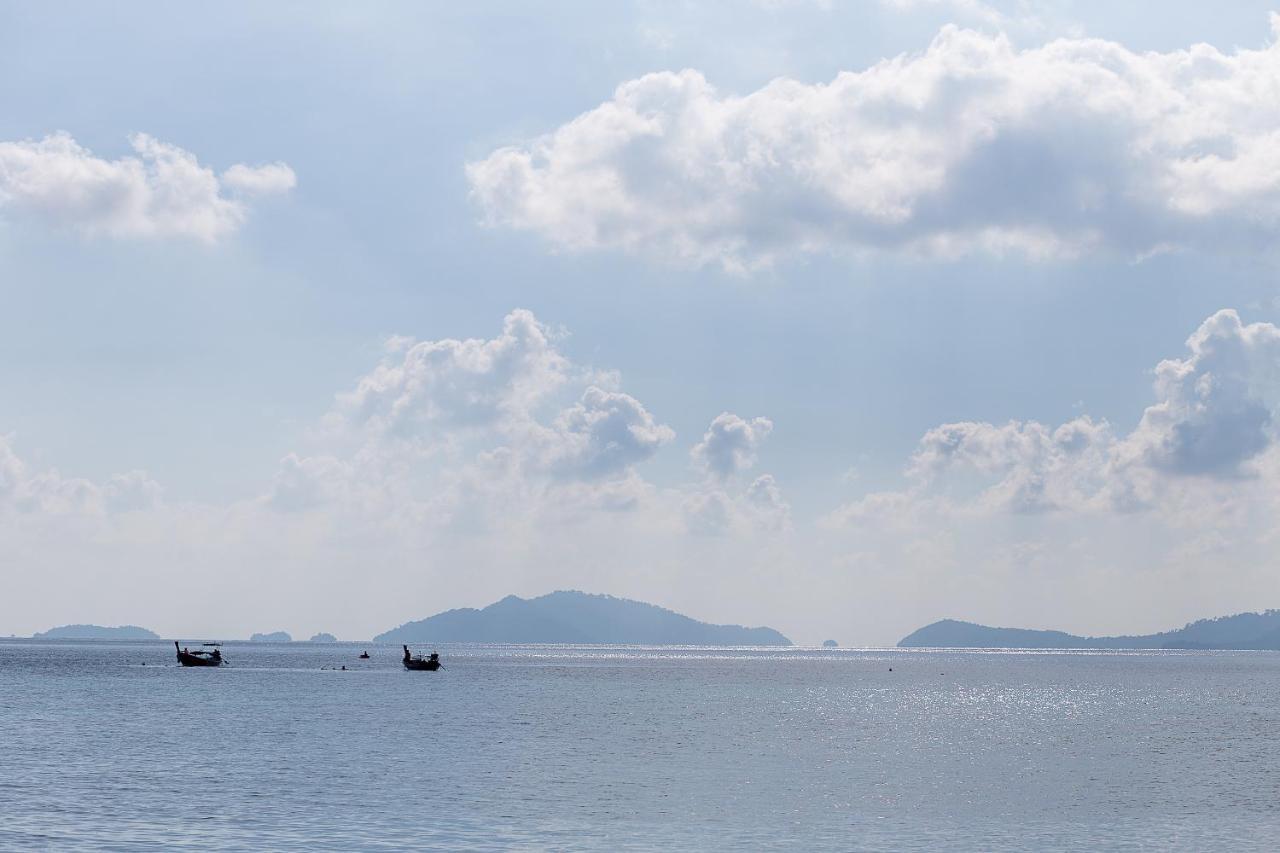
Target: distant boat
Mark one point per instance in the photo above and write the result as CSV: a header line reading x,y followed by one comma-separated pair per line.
x,y
364,656
198,658
418,662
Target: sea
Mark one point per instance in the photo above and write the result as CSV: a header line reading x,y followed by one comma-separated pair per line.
x,y
112,746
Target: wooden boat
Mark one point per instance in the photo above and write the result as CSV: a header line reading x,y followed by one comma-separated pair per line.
x,y
198,658
418,662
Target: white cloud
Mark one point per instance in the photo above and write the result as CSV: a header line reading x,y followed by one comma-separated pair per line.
x,y
11,471
710,510
728,448
1216,408
1028,466
604,434
729,444
1213,420
1079,145
270,179
47,493
481,383
764,498
161,192
306,482
476,432
131,492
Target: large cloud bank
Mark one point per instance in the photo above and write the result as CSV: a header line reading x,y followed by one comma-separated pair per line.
x,y
161,191
1079,145
456,470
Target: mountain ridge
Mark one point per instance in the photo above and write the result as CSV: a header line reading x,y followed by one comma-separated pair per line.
x,y
96,632
572,616
1242,631
271,637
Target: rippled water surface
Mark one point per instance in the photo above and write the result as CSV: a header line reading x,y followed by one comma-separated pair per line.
x,y
636,748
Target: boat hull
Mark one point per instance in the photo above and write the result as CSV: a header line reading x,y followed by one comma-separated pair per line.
x,y
426,665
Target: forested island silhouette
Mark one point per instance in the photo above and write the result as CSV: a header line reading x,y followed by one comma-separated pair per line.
x,y
574,617
570,616
96,632
1244,631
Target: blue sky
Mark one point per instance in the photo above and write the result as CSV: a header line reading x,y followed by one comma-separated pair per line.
x,y
270,347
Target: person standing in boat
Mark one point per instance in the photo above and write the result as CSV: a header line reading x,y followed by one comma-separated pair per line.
x,y
407,656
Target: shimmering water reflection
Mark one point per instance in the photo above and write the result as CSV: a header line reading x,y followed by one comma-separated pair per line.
x,y
636,748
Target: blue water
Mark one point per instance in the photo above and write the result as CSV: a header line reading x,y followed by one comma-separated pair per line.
x,y
572,748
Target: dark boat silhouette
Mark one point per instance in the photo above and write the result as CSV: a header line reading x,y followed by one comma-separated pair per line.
x,y
198,658
364,656
430,664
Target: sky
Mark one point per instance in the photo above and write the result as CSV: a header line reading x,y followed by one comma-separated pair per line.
x,y
839,318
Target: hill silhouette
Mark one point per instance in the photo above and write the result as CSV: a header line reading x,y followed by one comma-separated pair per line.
x,y
576,617
1239,631
273,637
96,632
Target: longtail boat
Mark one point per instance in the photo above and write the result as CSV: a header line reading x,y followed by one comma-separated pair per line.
x,y
198,658
418,662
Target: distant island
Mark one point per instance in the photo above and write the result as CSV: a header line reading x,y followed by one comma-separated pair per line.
x,y
96,632
273,637
830,644
576,617
323,637
1240,631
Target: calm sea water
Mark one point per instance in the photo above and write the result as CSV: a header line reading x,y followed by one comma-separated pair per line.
x,y
636,748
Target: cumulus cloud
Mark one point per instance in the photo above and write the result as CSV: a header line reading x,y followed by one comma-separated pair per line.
x,y
708,513
760,508
1075,146
48,493
728,448
1213,420
11,471
605,433
764,498
729,444
304,482
131,492
452,383
468,431
1030,467
1216,407
270,179
162,191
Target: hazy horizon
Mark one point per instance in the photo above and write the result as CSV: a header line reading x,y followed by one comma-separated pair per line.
x,y
838,319
305,637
